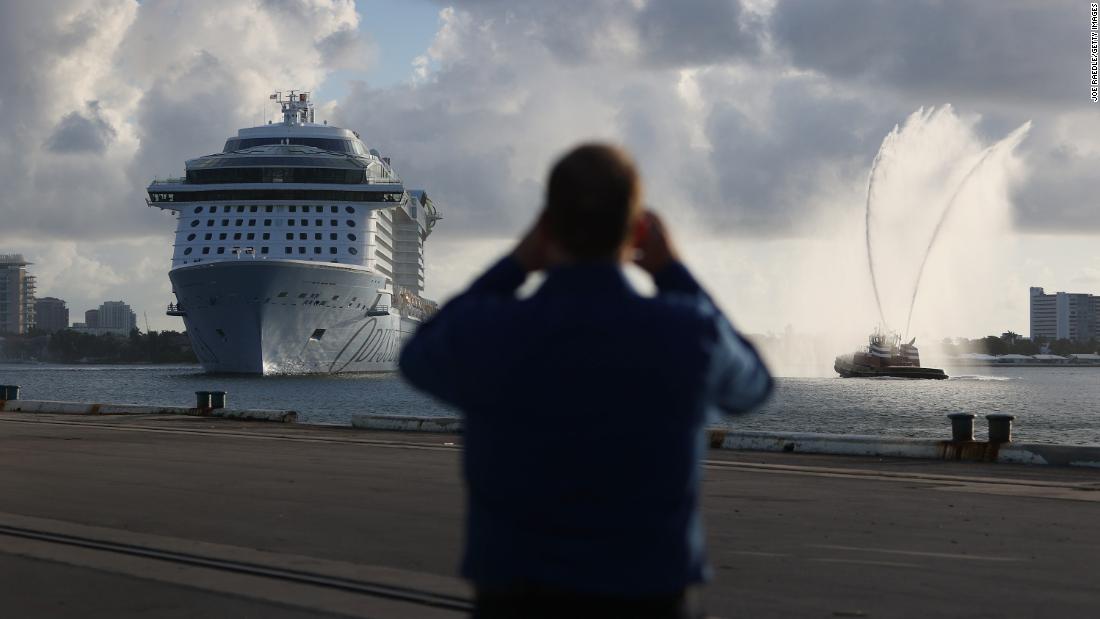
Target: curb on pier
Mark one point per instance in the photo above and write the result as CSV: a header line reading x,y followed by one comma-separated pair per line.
x,y
815,443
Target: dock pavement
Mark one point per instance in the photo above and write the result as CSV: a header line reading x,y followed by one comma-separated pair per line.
x,y
169,516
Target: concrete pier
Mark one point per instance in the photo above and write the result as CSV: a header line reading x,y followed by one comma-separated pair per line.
x,y
168,515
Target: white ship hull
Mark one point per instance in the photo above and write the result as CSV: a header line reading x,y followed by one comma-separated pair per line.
x,y
288,316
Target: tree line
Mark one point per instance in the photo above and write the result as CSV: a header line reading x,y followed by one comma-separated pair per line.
x,y
68,346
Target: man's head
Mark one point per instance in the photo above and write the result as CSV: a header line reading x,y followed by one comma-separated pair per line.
x,y
593,200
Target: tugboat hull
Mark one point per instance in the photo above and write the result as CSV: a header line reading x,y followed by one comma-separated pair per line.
x,y
847,369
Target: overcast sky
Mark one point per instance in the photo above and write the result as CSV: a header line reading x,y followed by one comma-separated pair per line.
x,y
755,124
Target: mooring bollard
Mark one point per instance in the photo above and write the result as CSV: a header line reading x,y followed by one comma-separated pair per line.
x,y
1000,427
202,399
217,399
962,426
9,392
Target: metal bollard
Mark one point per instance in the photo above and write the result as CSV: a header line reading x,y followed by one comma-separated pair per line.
x,y
217,399
1000,427
962,426
202,399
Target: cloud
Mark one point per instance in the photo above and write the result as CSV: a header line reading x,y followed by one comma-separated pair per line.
x,y
1020,52
77,133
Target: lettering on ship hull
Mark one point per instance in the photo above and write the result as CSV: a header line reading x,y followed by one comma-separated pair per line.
x,y
371,343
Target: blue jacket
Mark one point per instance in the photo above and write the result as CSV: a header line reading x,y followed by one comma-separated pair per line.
x,y
583,408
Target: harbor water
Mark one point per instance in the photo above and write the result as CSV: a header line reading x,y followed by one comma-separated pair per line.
x,y
1052,405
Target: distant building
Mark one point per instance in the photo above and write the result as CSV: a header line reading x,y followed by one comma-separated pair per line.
x,y
50,314
117,315
1064,316
112,317
16,295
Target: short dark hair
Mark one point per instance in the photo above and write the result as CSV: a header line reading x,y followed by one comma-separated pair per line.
x,y
592,197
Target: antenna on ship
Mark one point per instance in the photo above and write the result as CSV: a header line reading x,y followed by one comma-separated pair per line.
x,y
296,106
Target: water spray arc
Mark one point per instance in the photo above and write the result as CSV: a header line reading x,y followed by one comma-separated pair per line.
x,y
939,225
867,220
1011,140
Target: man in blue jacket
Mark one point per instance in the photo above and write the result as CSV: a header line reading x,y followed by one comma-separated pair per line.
x,y
584,406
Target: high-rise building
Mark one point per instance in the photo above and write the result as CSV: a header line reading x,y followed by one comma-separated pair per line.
x,y
117,316
50,314
1064,315
91,318
16,295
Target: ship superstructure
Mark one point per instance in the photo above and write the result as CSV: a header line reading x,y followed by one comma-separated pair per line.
x,y
297,249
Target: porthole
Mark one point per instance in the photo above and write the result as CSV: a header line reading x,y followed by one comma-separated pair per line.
x,y
349,209
194,222
191,237
353,251
351,223
351,237
187,252
198,209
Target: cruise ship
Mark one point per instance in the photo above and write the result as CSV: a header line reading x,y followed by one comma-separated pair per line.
x,y
297,250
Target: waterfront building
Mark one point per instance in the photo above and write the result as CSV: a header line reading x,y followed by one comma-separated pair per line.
x,y
16,295
116,316
91,318
1064,315
51,314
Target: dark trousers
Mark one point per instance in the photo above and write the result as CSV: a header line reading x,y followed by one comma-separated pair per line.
x,y
541,603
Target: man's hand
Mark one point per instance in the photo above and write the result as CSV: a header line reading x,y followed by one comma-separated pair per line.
x,y
534,251
652,242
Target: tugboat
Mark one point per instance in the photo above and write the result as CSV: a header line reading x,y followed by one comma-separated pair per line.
x,y
885,355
